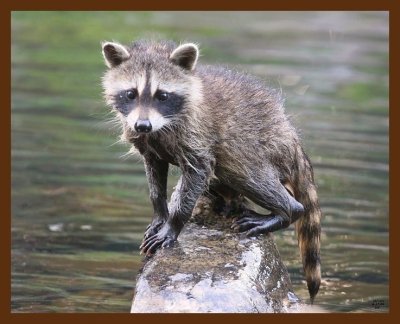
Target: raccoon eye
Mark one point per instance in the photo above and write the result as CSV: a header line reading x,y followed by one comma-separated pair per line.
x,y
131,94
161,95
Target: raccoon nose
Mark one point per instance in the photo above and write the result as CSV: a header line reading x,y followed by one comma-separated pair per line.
x,y
143,126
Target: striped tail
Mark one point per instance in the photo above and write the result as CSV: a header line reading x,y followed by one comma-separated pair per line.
x,y
308,227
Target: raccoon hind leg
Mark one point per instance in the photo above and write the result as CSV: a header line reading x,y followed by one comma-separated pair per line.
x,y
279,199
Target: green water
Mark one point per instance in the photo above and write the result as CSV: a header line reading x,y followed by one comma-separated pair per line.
x,y
79,207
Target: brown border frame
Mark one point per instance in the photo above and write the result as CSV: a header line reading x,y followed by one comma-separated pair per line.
x,y
7,6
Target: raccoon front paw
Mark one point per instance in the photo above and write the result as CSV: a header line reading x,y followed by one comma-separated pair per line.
x,y
165,237
153,228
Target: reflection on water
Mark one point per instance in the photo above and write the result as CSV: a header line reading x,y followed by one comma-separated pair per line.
x,y
79,210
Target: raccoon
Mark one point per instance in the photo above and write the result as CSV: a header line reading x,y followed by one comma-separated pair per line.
x,y
227,132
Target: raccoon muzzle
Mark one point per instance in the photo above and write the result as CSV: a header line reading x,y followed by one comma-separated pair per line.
x,y
143,126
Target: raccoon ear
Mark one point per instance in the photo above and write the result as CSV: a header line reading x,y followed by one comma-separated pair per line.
x,y
185,56
114,54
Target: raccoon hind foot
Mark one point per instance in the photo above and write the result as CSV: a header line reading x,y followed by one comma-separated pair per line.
x,y
254,224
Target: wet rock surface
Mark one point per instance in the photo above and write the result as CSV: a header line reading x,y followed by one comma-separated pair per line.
x,y
212,269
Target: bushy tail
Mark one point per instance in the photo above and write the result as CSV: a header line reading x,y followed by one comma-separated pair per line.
x,y
308,227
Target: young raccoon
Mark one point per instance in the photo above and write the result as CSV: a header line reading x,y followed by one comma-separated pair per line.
x,y
226,131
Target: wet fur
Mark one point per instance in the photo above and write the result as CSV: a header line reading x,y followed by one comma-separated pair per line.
x,y
230,135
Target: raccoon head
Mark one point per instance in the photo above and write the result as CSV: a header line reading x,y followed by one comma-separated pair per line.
x,y
150,84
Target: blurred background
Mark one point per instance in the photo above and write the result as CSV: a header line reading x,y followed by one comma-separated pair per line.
x,y
80,206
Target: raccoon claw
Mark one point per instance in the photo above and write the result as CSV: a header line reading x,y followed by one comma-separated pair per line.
x,y
165,237
153,228
263,229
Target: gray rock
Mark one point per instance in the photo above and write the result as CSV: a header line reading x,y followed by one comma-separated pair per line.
x,y
212,269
